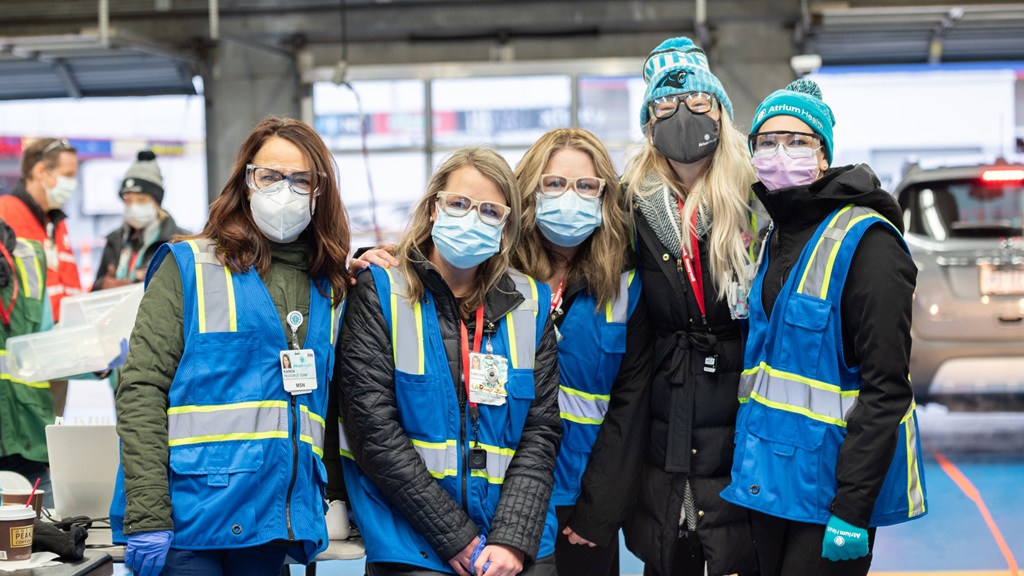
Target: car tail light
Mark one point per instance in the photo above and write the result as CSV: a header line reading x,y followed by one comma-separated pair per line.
x,y
1002,176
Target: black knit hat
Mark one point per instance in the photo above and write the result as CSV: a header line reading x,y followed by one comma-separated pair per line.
x,y
144,177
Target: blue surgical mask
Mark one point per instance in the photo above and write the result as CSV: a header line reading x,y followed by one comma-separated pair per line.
x,y
466,241
569,219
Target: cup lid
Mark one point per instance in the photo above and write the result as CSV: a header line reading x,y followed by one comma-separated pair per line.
x,y
20,492
16,513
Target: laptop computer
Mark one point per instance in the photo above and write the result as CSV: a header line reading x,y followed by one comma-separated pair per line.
x,y
83,466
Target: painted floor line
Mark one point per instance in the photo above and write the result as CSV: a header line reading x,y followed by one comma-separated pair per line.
x,y
972,493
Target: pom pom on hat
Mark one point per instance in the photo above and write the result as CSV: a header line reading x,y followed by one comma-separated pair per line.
x,y
144,177
801,99
676,66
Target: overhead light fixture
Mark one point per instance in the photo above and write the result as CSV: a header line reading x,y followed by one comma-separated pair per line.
x,y
803,64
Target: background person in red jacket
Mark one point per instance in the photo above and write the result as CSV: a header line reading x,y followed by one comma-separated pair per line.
x,y
49,170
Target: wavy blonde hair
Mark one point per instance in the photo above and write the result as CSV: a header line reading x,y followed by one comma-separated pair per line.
x,y
723,189
417,244
601,257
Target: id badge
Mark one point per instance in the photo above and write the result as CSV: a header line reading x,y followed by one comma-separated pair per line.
x,y
298,370
488,375
50,252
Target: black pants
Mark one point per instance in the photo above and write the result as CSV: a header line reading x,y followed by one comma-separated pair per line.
x,y
582,560
688,560
542,567
789,548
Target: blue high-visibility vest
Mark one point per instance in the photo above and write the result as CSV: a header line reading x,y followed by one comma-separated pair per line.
x,y
428,411
589,355
244,455
797,392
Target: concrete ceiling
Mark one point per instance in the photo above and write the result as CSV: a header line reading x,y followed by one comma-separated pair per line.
x,y
173,38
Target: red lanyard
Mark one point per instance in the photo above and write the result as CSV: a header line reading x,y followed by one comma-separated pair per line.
x,y
693,270
5,311
556,298
478,336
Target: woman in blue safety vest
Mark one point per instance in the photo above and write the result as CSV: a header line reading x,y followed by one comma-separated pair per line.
x,y
449,469
576,239
827,445
220,446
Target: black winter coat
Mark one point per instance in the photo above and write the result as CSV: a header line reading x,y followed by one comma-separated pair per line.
x,y
117,240
364,382
876,316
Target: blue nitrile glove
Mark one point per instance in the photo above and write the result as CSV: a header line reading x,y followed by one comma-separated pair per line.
x,y
146,552
119,361
476,553
843,541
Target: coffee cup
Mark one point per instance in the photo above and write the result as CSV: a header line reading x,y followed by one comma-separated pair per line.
x,y
20,498
337,520
16,528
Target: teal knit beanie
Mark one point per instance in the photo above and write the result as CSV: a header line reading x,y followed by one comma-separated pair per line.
x,y
801,100
676,66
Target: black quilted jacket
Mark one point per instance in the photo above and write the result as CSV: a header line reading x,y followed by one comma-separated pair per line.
x,y
364,382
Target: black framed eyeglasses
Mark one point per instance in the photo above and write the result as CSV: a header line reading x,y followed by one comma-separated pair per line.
x,y
696,102
302,181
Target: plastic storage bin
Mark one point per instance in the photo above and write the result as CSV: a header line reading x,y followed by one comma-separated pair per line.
x,y
87,338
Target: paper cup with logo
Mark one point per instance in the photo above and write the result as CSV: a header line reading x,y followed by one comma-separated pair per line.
x,y
16,523
20,498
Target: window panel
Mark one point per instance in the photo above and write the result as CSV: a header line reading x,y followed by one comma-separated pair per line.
x,y
393,112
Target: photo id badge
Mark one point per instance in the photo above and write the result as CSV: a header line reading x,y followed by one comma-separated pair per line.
x,y
488,375
298,369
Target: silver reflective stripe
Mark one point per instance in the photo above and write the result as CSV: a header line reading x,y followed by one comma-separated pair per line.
x,y
618,309
3,363
582,407
440,458
747,380
312,430
343,446
27,262
406,327
522,322
226,422
214,289
792,393
915,494
498,460
816,276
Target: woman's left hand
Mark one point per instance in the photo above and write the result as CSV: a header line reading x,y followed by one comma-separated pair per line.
x,y
575,538
505,561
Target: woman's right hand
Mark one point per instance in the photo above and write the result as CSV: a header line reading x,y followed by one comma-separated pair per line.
x,y
382,256
462,563
575,538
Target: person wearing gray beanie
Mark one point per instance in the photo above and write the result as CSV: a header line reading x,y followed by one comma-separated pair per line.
x,y
146,225
827,446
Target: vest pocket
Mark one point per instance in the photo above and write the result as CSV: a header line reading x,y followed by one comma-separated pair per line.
x,y
226,382
520,397
803,331
613,338
421,404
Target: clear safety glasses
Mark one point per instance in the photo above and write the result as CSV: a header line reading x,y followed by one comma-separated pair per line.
x,y
796,144
696,102
302,181
458,206
555,185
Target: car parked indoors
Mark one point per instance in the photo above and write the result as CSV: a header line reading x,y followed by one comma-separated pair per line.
x,y
964,227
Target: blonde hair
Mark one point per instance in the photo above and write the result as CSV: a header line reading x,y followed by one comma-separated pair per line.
x,y
723,188
416,245
601,257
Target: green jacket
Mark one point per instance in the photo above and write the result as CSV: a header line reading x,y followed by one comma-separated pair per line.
x,y
26,408
154,350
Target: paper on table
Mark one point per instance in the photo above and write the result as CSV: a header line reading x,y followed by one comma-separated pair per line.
x,y
38,560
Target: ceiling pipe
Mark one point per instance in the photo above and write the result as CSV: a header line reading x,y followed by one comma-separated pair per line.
x,y
700,24
214,20
104,23
939,33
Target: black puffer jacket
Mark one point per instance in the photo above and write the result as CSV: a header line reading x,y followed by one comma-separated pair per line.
x,y
876,315
364,376
692,416
125,235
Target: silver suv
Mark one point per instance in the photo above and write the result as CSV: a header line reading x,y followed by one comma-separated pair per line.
x,y
964,227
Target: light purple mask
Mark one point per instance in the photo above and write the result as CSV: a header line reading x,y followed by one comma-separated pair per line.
x,y
781,171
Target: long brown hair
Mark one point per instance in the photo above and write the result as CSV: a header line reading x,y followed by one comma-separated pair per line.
x,y
417,242
601,257
240,244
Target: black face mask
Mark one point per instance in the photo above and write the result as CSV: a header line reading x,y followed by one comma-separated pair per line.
x,y
686,137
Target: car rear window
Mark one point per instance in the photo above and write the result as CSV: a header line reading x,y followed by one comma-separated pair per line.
x,y
963,208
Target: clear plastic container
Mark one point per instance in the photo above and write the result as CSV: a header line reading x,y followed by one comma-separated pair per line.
x,y
87,338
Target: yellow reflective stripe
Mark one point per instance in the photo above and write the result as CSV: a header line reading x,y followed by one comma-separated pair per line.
x,y
797,410
312,415
232,317
201,297
483,474
24,276
494,449
803,380
580,419
228,437
608,312
830,263
512,351
220,407
347,454
821,238
343,441
394,317
432,445
39,276
445,446
533,293
585,395
316,449
7,376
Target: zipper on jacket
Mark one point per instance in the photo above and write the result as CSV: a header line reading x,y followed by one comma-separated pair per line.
x,y
295,466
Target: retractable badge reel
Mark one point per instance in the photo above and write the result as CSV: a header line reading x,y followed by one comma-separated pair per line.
x,y
298,366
